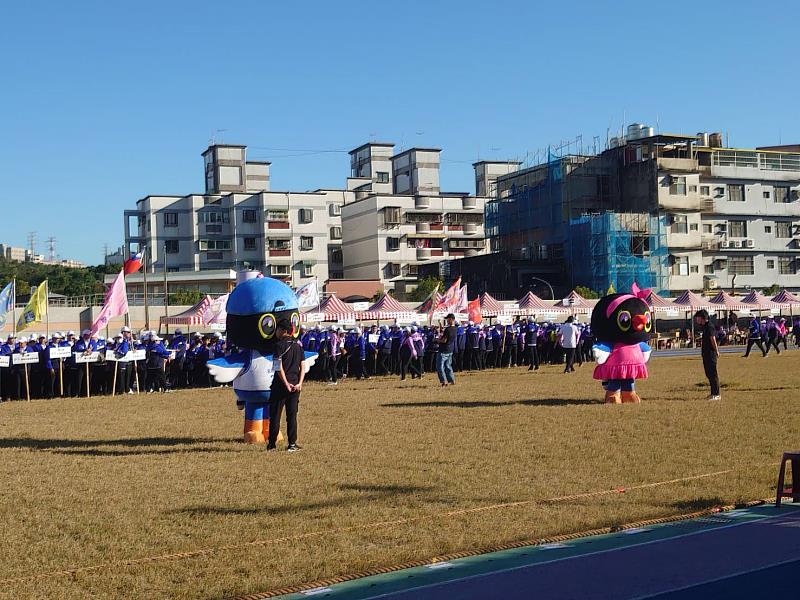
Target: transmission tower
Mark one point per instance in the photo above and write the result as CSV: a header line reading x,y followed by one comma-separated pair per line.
x,y
32,242
51,249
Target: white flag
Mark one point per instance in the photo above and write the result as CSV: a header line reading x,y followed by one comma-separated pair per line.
x,y
214,313
307,295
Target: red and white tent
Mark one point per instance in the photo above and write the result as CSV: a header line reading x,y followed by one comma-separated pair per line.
x,y
786,298
659,304
335,310
489,306
531,304
575,303
758,301
723,300
688,300
192,316
385,308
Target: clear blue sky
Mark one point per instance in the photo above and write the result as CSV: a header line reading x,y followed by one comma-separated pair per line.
x,y
105,102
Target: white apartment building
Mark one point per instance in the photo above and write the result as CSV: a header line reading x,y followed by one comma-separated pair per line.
x,y
239,223
397,219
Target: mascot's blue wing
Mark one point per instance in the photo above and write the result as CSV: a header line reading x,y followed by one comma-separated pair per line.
x,y
309,360
225,369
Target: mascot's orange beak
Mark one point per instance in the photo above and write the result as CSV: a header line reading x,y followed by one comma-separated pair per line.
x,y
639,321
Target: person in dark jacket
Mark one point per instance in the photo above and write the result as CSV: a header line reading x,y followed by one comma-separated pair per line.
x,y
754,337
156,359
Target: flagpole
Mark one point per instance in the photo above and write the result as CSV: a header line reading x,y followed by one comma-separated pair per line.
x,y
166,295
14,308
144,283
47,307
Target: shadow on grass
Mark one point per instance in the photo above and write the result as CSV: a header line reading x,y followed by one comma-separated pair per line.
x,y
367,493
186,450
64,445
489,404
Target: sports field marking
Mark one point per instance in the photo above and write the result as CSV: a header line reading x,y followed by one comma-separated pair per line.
x,y
361,527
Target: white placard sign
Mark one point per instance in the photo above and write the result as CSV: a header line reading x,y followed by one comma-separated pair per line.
x,y
111,356
347,321
25,359
505,320
217,327
373,338
80,357
514,306
61,352
461,316
5,361
360,306
135,355
405,319
744,311
775,311
314,316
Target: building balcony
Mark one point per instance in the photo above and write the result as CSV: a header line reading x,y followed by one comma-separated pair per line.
x,y
706,205
423,253
423,227
681,165
437,227
280,252
277,224
471,228
469,203
422,202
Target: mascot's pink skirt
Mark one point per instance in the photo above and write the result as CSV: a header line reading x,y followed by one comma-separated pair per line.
x,y
624,362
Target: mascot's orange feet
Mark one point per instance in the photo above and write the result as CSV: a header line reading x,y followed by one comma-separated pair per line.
x,y
613,397
630,398
254,431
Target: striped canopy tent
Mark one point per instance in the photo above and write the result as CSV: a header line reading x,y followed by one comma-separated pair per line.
x,y
757,301
688,300
489,306
724,301
192,316
659,304
786,298
575,303
385,308
531,304
334,309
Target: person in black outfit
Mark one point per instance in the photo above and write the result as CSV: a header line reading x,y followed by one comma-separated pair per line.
x,y
709,351
287,384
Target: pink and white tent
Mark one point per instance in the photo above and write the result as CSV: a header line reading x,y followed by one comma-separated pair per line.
x,y
192,316
659,304
786,298
758,301
384,309
575,303
489,306
724,301
688,300
531,304
335,310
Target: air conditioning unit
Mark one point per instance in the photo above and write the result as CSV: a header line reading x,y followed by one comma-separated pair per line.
x,y
750,243
736,244
712,283
724,244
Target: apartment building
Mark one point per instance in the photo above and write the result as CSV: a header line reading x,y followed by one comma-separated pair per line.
x,y
238,222
397,219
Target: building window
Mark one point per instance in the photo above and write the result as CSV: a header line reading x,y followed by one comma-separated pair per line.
x,y
719,192
391,215
694,227
681,265
740,265
692,188
708,228
278,244
392,244
249,216
766,193
382,177
206,245
280,270
736,192
783,229
173,269
709,269
336,233
305,215
392,270
335,210
677,186
767,228
278,216
787,265
781,194
680,224
770,263
213,255
306,242
694,269
213,217
171,246
307,269
737,229
170,219
249,243
705,190
335,255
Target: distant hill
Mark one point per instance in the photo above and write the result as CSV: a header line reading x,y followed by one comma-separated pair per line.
x,y
63,280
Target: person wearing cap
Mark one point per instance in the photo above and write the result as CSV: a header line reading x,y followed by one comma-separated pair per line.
x,y
43,382
357,351
419,346
100,374
384,351
177,375
86,345
372,351
6,349
18,390
157,356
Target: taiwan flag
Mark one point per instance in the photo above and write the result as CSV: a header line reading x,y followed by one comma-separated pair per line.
x,y
133,264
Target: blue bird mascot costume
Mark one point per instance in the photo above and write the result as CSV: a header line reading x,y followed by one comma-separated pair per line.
x,y
254,308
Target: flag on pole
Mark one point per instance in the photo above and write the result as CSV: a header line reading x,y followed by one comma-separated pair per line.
x,y
134,263
451,297
114,305
463,301
611,289
215,313
307,295
427,305
6,303
474,311
36,309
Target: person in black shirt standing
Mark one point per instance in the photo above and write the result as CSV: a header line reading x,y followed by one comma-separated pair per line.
x,y
447,346
709,351
287,383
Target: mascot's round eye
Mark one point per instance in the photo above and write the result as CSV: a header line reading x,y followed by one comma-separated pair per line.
x,y
295,324
266,326
648,324
624,320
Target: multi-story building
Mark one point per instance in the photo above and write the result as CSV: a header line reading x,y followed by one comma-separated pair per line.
x,y
240,223
397,219
710,216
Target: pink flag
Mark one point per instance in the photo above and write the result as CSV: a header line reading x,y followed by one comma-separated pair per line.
x,y
115,304
463,302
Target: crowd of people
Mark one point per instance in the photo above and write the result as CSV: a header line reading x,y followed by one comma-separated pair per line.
x,y
386,350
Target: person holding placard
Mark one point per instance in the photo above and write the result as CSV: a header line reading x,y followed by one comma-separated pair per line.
x,y
19,372
156,363
86,346
6,350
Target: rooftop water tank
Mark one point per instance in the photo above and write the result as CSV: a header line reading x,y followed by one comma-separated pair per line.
x,y
715,140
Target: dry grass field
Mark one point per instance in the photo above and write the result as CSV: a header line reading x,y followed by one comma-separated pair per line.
x,y
389,472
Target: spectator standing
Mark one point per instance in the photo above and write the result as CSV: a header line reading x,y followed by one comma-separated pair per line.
x,y
447,345
568,335
287,383
709,351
